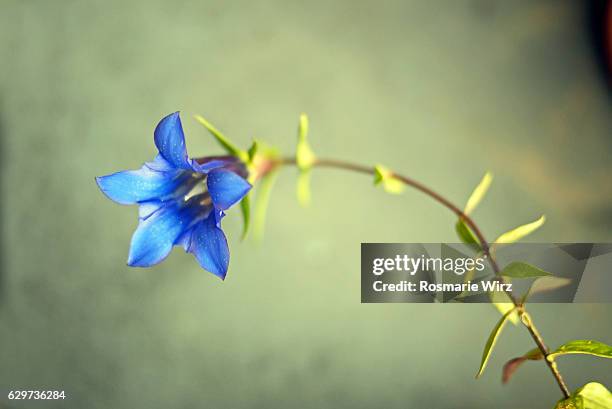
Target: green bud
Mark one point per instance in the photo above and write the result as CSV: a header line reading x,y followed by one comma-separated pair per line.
x,y
383,176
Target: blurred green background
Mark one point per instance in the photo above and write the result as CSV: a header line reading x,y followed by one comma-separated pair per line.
x,y
441,91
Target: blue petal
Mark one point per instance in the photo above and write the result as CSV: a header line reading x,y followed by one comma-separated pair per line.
x,y
153,239
207,166
160,164
133,186
146,209
185,239
226,188
209,245
170,141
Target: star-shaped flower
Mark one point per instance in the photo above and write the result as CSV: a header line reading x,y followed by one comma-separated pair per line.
x,y
181,200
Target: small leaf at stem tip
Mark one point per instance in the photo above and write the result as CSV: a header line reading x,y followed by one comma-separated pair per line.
x,y
222,139
520,232
303,126
519,269
486,354
512,365
588,347
593,395
478,193
304,156
466,235
384,177
261,203
303,188
245,208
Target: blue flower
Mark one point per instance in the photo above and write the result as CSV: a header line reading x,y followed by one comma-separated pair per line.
x,y
181,200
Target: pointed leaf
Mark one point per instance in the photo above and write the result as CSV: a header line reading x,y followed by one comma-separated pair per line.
x,y
261,203
519,269
520,232
486,354
303,188
591,396
304,156
222,139
253,151
543,284
478,193
502,302
466,235
588,347
245,208
303,127
512,365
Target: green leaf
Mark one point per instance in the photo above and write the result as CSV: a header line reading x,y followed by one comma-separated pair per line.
x,y
593,395
588,347
466,235
519,269
245,208
512,365
478,193
543,284
503,303
304,156
261,203
384,177
520,232
303,188
223,140
486,354
253,151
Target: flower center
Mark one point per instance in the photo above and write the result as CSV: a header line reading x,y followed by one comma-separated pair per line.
x,y
199,192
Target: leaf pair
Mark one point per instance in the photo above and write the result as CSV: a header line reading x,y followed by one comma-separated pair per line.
x,y
514,235
588,347
249,158
516,269
384,177
304,159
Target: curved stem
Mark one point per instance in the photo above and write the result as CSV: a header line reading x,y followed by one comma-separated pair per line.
x,y
484,244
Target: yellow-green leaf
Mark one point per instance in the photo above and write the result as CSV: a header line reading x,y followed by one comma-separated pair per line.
x,y
493,337
304,156
253,151
520,232
588,347
466,235
543,284
261,203
245,208
519,269
502,302
222,139
303,188
593,395
384,177
478,193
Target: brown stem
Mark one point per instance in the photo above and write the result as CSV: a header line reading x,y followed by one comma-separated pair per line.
x,y
484,244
